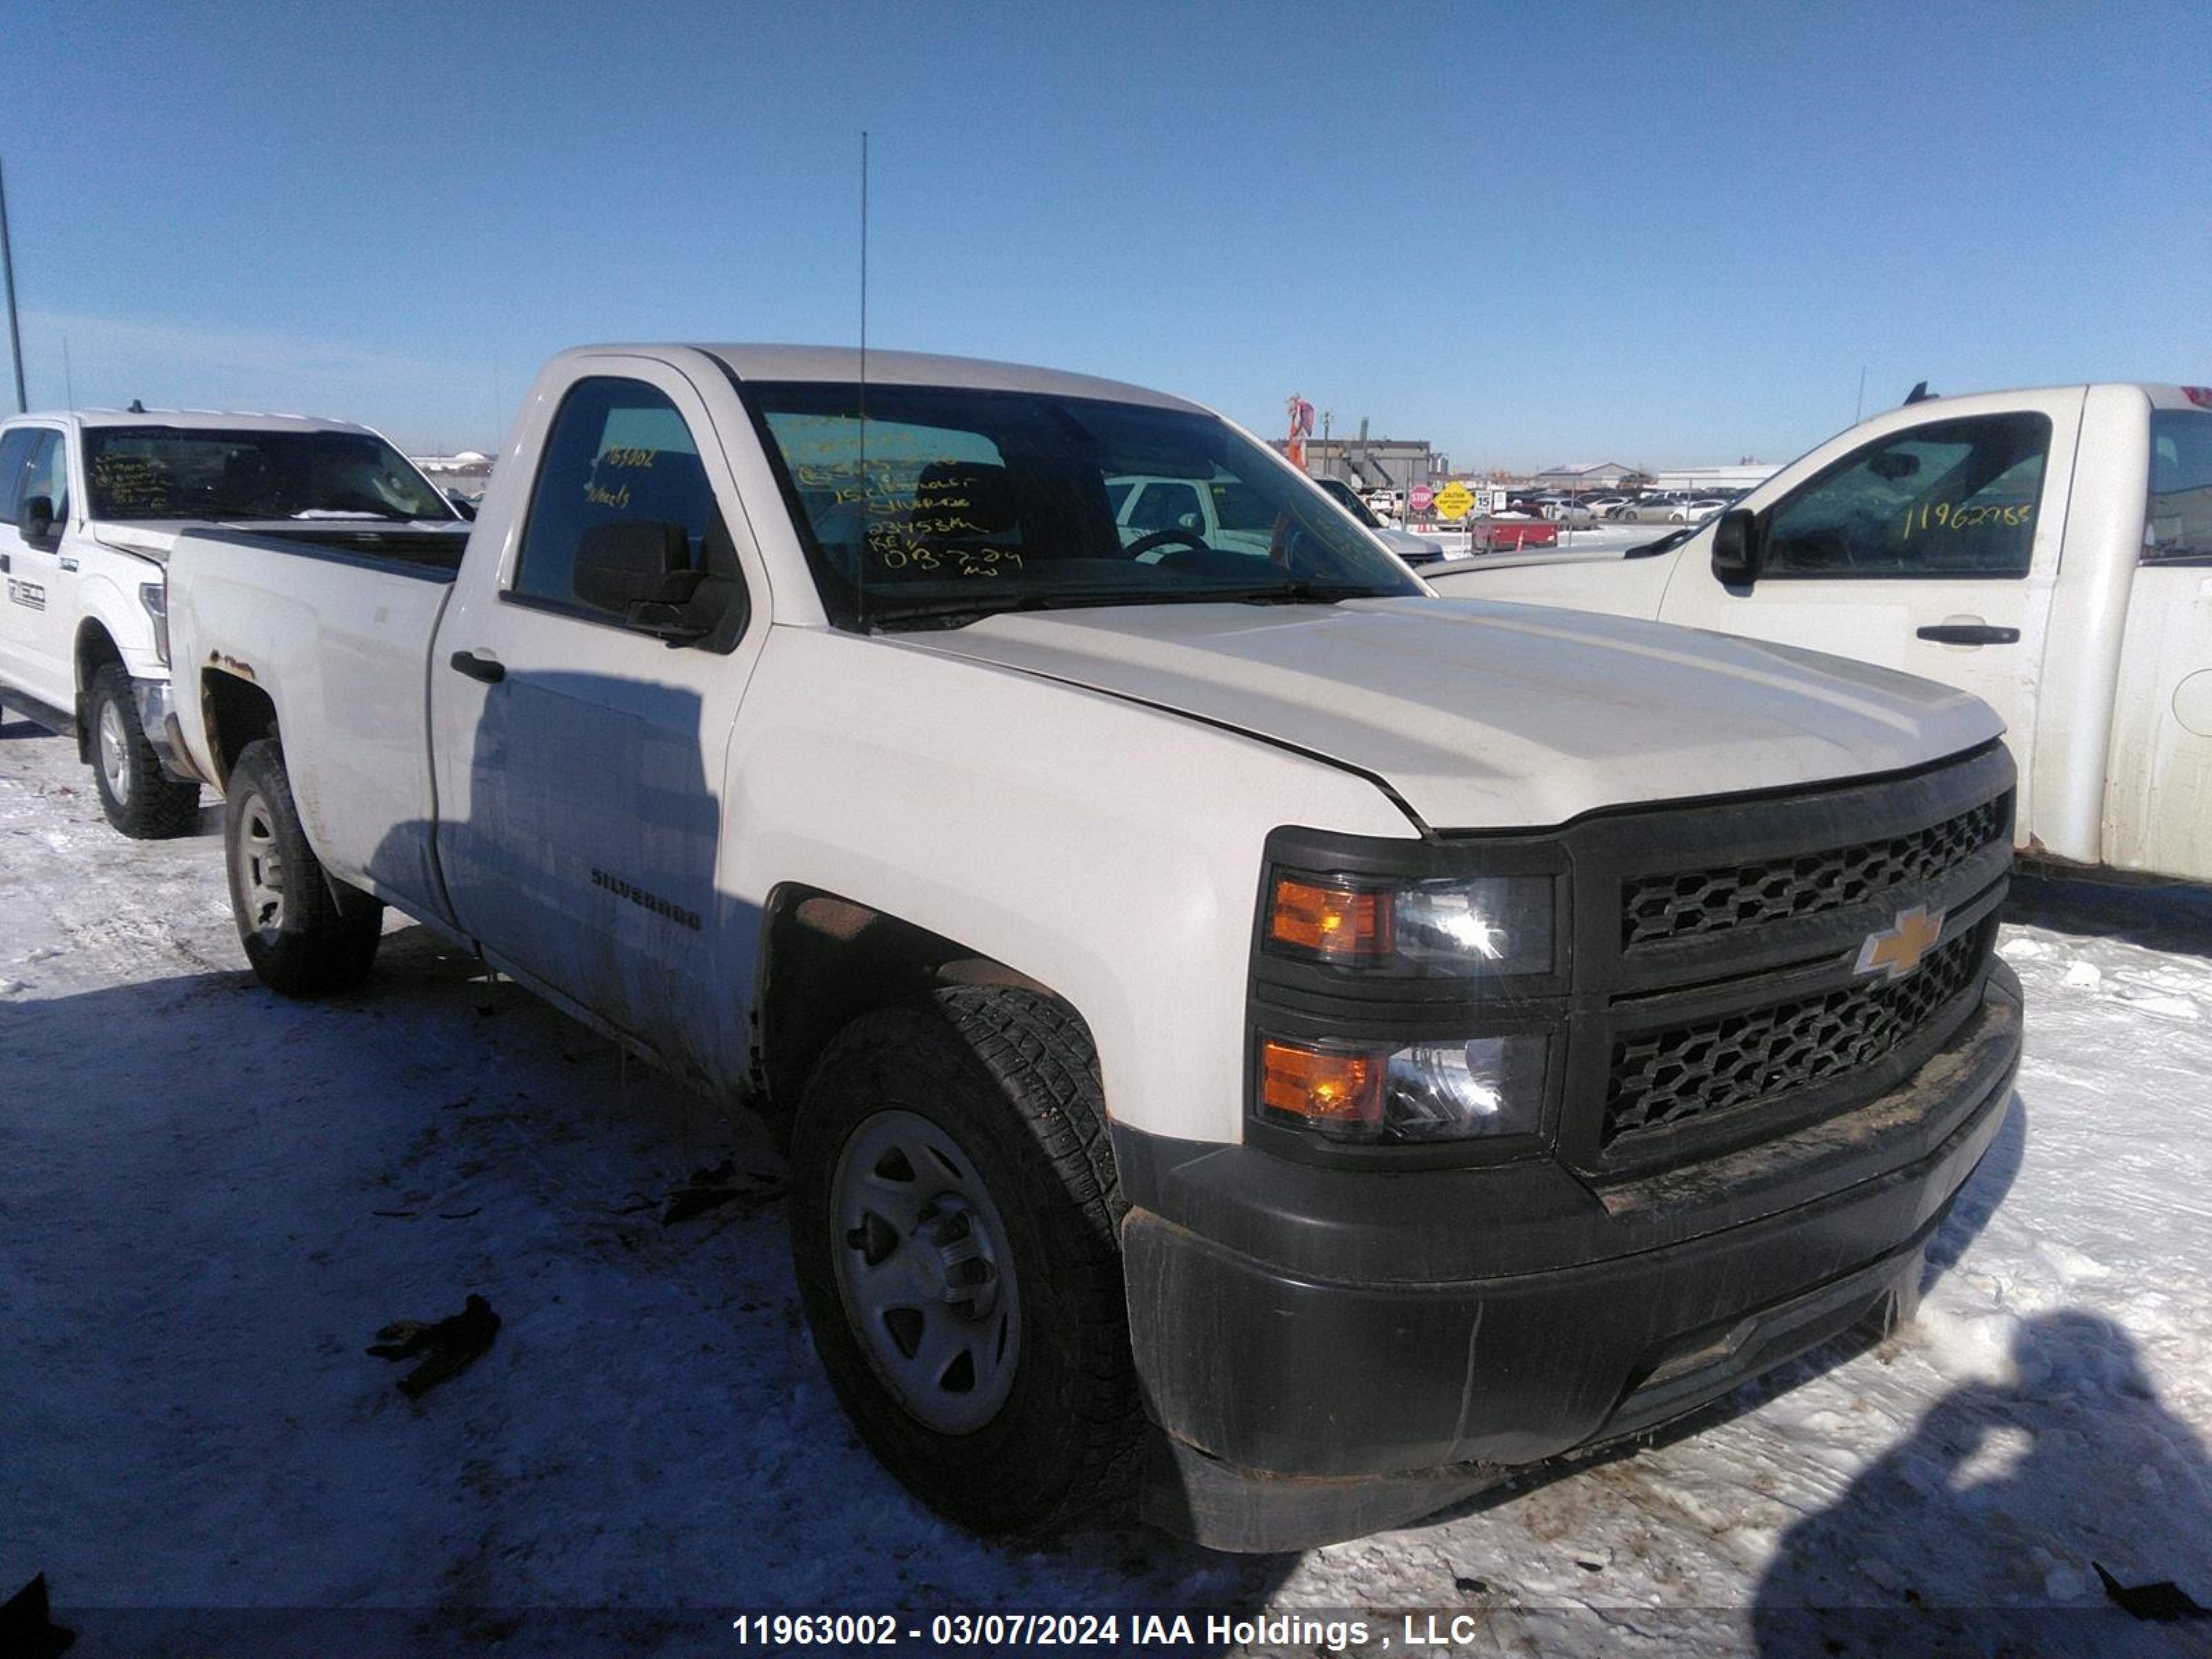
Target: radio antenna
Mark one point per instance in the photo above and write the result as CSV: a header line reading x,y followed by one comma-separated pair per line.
x,y
867,493
864,281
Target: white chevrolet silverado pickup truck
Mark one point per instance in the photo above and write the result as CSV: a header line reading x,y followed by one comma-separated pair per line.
x,y
2049,550
89,504
1246,1032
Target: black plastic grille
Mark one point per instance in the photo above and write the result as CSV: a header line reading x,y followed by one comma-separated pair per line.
x,y
1657,908
1660,1078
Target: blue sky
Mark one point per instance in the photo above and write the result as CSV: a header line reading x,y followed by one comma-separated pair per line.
x,y
1648,233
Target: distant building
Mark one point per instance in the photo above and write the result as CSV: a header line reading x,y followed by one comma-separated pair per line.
x,y
1593,475
1744,475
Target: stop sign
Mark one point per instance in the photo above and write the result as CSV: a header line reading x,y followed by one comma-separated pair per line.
x,y
1419,499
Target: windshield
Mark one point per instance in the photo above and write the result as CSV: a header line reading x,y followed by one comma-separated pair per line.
x,y
192,472
966,502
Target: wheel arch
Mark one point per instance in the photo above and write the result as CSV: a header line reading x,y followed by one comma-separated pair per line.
x,y
92,650
235,712
825,960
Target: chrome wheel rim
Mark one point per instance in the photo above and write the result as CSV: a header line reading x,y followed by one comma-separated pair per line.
x,y
114,752
925,1272
260,868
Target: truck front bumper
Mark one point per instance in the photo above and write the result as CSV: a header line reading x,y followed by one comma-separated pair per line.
x,y
1297,1406
157,719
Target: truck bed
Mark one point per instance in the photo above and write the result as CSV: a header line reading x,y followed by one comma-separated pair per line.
x,y
335,627
405,550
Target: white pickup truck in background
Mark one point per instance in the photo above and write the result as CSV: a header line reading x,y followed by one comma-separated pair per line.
x,y
90,502
1244,1028
2049,550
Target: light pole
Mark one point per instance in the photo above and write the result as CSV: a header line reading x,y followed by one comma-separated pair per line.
x,y
7,267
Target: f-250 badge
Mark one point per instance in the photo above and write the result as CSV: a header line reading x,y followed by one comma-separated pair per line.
x,y
1899,949
29,595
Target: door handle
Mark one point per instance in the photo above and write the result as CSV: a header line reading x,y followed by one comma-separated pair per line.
x,y
1969,633
490,670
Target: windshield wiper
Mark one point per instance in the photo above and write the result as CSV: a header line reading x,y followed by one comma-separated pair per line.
x,y
958,612
1666,544
1293,593
953,613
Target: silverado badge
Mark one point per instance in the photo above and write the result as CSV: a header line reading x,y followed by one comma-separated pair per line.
x,y
1898,949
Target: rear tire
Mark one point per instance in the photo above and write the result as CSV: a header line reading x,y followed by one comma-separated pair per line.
x,y
140,799
305,934
954,1222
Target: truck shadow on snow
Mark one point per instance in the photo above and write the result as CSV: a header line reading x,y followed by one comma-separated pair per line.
x,y
650,1430
1985,1530
2174,919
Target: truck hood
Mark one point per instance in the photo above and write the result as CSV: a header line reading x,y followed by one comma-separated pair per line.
x,y
1407,546
1508,559
150,539
1483,715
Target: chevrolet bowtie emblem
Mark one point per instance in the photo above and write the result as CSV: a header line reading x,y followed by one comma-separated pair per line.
x,y
1896,951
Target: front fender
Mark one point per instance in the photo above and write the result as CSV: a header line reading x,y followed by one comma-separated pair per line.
x,y
105,605
1108,850
1615,586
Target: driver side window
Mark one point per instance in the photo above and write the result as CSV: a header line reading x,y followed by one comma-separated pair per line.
x,y
1952,498
619,452
14,458
46,473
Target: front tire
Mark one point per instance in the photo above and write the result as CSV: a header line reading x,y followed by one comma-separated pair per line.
x,y
139,799
955,1224
305,934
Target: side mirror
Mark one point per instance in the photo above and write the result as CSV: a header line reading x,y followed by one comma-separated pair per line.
x,y
34,518
641,569
462,504
1737,552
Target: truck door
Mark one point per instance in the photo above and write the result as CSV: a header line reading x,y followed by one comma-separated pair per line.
x,y
40,611
578,756
2157,812
1931,548
15,624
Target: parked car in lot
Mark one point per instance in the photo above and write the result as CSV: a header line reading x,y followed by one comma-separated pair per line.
x,y
1414,549
1245,1028
1488,532
89,505
1699,507
2046,551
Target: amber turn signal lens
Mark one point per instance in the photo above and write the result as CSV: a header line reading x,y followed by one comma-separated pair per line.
x,y
1333,921
1323,1088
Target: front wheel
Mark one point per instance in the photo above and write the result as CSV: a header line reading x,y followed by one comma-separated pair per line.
x,y
955,1220
305,934
139,799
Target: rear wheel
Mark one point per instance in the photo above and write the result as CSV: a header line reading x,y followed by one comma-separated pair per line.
x,y
305,934
139,799
954,1221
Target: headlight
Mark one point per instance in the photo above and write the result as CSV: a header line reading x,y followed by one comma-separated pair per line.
x,y
1459,926
154,596
1425,1092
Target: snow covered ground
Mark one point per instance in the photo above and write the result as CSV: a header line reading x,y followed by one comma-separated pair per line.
x,y
211,1200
